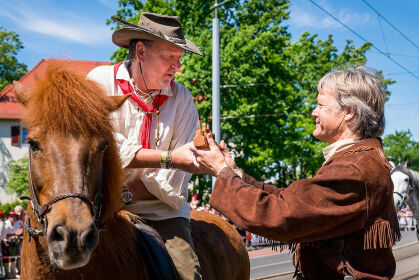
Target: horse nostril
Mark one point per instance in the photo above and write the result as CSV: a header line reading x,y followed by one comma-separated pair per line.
x,y
58,234
89,238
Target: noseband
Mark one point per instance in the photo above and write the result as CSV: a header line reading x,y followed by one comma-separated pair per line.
x,y
41,211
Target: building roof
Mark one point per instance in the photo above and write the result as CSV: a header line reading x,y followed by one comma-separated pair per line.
x,y
10,108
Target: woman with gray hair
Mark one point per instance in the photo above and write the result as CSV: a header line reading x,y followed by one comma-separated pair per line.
x,y
341,223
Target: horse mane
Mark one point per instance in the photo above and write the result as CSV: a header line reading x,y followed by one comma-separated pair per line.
x,y
66,103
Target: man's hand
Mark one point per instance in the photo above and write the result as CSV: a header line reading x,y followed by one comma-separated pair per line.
x,y
184,158
227,156
139,191
210,161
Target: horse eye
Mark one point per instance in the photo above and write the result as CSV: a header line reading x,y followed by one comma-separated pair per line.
x,y
406,179
34,145
103,146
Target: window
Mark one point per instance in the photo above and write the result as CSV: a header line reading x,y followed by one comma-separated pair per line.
x,y
15,135
18,135
24,135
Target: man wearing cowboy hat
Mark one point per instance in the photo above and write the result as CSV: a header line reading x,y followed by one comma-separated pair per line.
x,y
159,116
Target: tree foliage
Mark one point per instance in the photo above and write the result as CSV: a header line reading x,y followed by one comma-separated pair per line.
x,y
400,146
18,178
268,82
8,207
10,68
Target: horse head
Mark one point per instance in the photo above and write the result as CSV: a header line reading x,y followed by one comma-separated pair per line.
x,y
73,162
401,177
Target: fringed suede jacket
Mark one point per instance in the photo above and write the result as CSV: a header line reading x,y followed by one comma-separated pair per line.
x,y
340,222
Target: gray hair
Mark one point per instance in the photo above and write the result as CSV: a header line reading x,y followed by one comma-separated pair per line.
x,y
132,48
361,89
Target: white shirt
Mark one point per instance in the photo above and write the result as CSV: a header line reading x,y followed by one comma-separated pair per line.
x,y
178,118
8,228
337,147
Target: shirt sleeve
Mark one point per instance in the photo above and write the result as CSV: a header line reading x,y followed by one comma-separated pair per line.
x,y
2,230
171,186
331,204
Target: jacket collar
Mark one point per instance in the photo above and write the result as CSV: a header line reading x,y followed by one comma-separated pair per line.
x,y
374,143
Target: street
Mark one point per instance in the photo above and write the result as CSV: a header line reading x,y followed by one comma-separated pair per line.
x,y
268,264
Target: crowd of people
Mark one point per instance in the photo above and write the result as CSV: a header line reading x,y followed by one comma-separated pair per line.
x,y
407,221
11,233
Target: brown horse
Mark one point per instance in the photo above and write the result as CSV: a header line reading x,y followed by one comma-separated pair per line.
x,y
76,176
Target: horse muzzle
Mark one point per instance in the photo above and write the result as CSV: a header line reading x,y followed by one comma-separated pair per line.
x,y
71,247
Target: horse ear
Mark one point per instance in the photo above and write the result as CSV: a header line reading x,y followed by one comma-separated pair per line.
x,y
117,101
392,164
408,163
22,92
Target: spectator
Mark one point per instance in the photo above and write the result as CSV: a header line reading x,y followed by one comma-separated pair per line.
x,y
195,202
13,230
2,216
401,216
20,218
409,219
20,213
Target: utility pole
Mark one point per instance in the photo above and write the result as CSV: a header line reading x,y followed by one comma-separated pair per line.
x,y
216,75
216,127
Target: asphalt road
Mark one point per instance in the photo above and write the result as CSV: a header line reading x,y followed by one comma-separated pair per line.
x,y
278,266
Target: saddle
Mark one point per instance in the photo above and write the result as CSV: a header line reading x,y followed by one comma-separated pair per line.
x,y
157,259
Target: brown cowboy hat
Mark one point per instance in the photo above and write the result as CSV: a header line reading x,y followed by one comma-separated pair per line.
x,y
153,27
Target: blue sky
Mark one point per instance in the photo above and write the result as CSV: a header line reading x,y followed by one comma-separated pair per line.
x,y
77,30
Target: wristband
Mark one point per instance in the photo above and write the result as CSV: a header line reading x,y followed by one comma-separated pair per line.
x,y
169,163
163,159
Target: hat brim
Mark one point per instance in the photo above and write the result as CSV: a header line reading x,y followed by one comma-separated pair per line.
x,y
123,36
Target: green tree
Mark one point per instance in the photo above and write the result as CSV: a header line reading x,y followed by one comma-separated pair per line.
x,y
10,68
401,146
18,178
268,82
8,207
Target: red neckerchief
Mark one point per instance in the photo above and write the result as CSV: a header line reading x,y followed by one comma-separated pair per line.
x,y
157,102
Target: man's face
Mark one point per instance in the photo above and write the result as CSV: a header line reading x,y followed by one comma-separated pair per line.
x,y
160,63
12,218
329,117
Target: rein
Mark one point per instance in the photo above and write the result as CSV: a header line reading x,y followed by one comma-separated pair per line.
x,y
41,211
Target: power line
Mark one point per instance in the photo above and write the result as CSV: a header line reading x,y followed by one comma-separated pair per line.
x,y
401,33
382,34
397,104
400,73
249,116
362,38
244,85
399,54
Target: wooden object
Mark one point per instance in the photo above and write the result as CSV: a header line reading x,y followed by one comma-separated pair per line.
x,y
200,139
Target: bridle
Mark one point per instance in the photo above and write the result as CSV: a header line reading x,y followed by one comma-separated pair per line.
x,y
41,211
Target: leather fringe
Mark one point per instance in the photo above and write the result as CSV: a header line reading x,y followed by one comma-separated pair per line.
x,y
381,235
277,244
